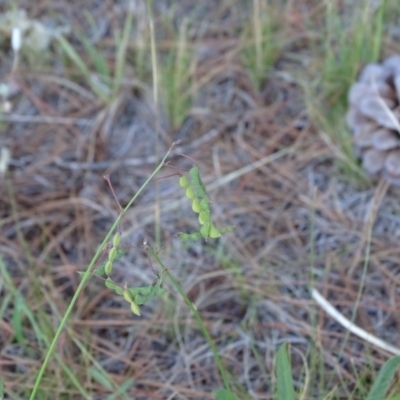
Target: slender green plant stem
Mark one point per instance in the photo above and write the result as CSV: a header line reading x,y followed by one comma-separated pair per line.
x,y
87,275
199,321
155,78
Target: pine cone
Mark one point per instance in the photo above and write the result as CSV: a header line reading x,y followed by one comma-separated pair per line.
x,y
374,118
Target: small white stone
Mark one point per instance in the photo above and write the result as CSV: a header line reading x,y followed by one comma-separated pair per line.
x,y
16,39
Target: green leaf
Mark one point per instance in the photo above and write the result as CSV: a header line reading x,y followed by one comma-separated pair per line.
x,y
195,236
100,271
384,378
224,394
284,374
145,298
144,294
112,285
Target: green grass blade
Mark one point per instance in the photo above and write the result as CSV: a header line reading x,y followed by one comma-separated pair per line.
x,y
99,62
224,394
284,374
121,389
78,61
384,378
121,53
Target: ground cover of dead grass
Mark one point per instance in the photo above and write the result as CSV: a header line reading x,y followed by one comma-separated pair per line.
x,y
297,219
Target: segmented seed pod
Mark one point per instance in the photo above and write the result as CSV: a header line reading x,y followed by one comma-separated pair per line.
x,y
205,217
116,239
112,254
127,296
190,193
214,232
135,308
205,230
183,182
108,267
196,205
204,204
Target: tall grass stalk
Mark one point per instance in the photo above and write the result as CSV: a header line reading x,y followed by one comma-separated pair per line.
x,y
86,276
262,41
199,321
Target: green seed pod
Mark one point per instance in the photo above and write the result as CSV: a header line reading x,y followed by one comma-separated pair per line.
x,y
205,217
190,193
183,182
196,206
194,173
135,308
116,239
127,296
108,267
205,230
112,254
204,204
214,232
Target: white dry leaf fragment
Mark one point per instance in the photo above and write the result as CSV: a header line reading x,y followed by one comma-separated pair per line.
x,y
374,161
385,139
392,163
